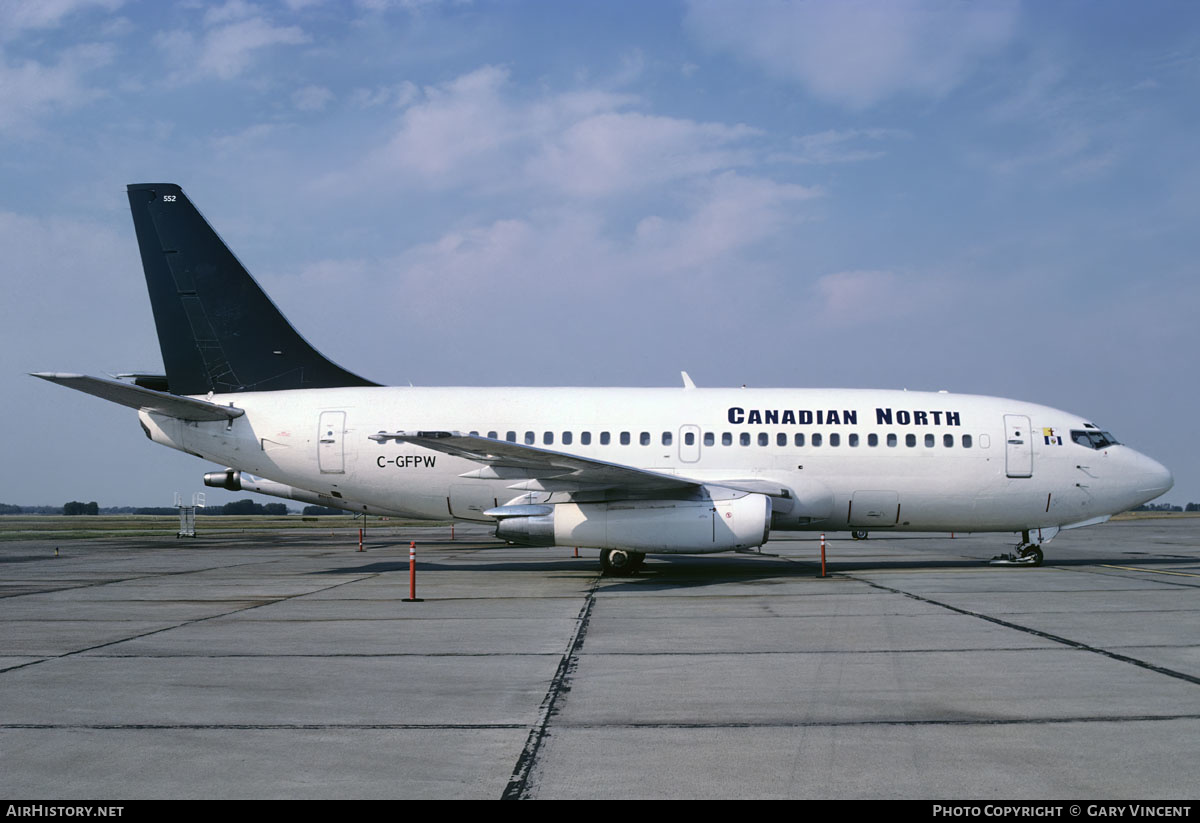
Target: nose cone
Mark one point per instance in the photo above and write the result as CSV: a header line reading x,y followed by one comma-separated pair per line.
x,y
1153,478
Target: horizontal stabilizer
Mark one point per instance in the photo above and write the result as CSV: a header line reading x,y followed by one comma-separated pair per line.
x,y
135,397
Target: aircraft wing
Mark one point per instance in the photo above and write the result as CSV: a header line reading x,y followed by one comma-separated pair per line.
x,y
536,469
136,397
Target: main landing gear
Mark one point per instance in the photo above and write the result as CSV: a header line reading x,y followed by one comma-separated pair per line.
x,y
1027,553
859,534
619,562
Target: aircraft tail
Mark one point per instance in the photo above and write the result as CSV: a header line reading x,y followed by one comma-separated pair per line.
x,y
217,329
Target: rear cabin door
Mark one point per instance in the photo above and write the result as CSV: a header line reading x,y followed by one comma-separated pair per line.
x,y
1018,449
331,454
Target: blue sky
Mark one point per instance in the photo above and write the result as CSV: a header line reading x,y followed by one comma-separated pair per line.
x,y
995,198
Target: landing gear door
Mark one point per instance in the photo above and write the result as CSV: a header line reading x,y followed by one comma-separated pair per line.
x,y
331,455
1018,449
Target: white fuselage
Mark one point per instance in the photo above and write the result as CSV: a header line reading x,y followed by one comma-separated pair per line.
x,y
864,459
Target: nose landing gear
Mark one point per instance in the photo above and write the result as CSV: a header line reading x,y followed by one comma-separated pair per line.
x,y
1027,553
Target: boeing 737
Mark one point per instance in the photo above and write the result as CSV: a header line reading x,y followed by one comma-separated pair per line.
x,y
627,471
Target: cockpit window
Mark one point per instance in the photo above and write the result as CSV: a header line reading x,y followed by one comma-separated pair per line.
x,y
1093,439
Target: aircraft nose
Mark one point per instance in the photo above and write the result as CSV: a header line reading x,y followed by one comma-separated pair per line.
x,y
1155,478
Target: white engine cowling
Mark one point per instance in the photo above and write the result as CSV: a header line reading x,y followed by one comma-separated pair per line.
x,y
660,526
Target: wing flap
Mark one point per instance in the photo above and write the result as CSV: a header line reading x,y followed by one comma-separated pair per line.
x,y
547,469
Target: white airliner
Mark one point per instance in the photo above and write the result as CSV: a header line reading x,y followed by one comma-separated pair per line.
x,y
627,471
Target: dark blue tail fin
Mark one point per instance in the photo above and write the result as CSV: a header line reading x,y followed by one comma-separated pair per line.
x,y
218,330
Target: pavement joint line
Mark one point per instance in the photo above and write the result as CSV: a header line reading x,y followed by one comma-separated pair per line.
x,y
74,652
1150,571
254,726
808,724
518,783
1075,644
579,726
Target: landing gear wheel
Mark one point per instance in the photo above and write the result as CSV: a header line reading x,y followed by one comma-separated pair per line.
x,y
1034,552
859,534
620,563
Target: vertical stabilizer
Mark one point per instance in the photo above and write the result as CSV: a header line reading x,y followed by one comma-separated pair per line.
x,y
217,329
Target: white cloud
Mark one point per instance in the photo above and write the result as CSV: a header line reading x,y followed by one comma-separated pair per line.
x,y
399,96
228,50
18,16
578,144
311,98
29,90
619,151
834,146
731,214
858,52
235,34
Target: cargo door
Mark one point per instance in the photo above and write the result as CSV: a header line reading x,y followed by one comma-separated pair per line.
x,y
874,509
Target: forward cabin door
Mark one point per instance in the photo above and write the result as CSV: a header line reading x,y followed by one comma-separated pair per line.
x,y
331,454
1018,449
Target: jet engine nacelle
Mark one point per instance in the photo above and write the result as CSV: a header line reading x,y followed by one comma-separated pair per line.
x,y
662,526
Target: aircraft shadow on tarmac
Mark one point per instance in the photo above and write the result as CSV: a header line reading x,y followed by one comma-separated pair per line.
x,y
683,570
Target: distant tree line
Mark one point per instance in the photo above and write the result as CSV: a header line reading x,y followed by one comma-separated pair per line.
x,y
1166,507
75,507
248,506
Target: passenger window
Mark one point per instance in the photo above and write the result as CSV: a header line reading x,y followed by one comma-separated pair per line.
x,y
473,434
781,439
492,435
872,440
624,438
529,438
666,438
763,438
966,441
548,438
644,439
585,438
726,439
853,440
745,438
891,441
816,439
689,439
910,440
708,439
798,440
929,441
948,441
567,437
511,437
835,439
605,438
